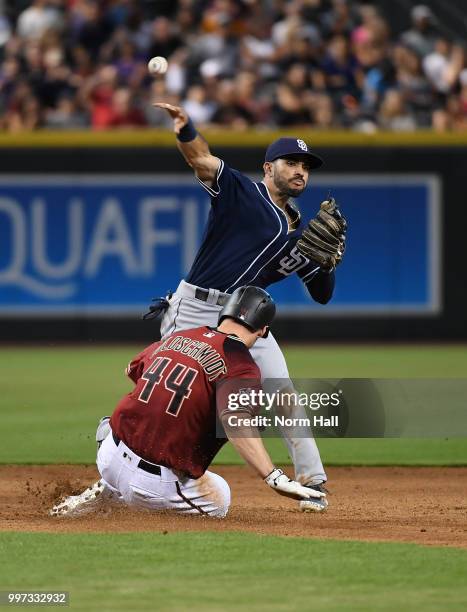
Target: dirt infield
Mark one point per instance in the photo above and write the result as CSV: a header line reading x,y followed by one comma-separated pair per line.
x,y
423,505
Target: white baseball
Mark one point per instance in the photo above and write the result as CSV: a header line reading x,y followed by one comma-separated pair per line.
x,y
157,65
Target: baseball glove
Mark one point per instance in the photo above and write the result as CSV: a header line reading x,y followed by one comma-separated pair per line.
x,y
324,238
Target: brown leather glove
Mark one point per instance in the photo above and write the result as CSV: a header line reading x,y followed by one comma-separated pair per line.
x,y
323,240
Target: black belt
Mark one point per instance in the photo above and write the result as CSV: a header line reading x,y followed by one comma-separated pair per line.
x,y
203,295
152,468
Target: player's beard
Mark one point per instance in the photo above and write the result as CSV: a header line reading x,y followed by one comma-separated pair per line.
x,y
285,188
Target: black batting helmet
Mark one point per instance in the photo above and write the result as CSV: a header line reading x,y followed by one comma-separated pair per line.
x,y
250,306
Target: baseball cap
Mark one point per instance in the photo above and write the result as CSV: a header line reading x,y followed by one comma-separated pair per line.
x,y
284,147
421,11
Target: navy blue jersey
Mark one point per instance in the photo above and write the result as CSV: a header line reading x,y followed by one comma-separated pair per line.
x,y
247,239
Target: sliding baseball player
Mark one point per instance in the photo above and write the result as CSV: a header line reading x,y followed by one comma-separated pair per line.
x,y
158,444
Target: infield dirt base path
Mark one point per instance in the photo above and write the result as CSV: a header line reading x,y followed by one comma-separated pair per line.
x,y
423,505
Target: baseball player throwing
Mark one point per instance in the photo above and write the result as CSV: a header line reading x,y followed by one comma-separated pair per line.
x,y
164,434
255,235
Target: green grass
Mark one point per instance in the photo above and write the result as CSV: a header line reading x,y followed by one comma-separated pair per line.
x,y
385,361
51,399
227,571
359,451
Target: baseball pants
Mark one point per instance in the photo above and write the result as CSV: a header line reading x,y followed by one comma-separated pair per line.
x,y
118,467
186,311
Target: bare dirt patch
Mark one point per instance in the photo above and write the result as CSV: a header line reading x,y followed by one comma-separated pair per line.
x,y
423,505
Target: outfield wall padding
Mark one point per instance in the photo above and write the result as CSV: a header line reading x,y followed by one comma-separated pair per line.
x,y
447,160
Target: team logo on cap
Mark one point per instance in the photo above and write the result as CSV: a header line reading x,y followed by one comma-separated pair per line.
x,y
302,144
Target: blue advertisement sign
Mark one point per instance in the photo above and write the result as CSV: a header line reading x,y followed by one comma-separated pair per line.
x,y
74,244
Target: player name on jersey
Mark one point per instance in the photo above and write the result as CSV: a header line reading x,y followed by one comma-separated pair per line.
x,y
202,352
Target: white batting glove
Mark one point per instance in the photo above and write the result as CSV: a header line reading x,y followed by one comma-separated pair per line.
x,y
282,484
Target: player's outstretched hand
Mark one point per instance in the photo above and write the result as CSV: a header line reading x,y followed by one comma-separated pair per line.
x,y
177,113
282,484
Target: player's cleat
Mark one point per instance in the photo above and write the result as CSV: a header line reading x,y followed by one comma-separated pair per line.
x,y
78,505
103,430
315,504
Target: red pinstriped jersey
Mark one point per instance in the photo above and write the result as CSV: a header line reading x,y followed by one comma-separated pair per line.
x,y
171,416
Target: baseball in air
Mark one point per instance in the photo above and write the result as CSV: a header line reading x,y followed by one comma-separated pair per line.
x,y
157,65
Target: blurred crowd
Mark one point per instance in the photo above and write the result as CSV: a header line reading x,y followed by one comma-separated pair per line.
x,y
82,64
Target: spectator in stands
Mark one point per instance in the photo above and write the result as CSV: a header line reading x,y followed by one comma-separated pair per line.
x,y
156,117
217,47
341,69
448,118
258,51
228,112
322,114
293,25
342,18
98,92
124,112
176,76
198,106
290,107
453,115
81,62
414,85
422,36
375,83
300,49
93,28
443,65
56,78
39,18
66,115
234,63
131,70
394,114
164,39
251,98
370,38
23,111
9,75
186,19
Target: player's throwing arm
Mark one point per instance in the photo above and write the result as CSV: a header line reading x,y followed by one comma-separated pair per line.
x,y
191,144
